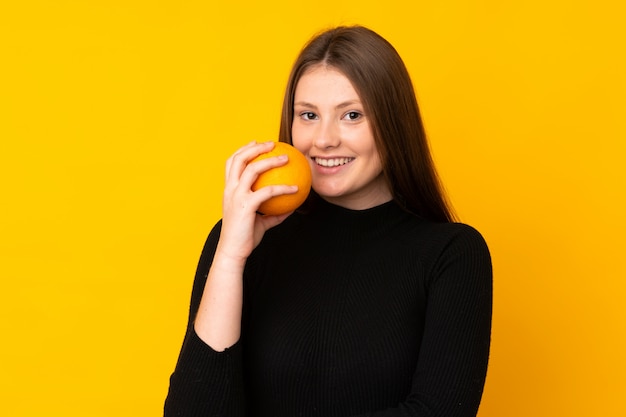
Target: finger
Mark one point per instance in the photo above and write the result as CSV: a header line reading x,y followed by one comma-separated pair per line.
x,y
256,168
230,159
270,221
242,202
265,193
240,159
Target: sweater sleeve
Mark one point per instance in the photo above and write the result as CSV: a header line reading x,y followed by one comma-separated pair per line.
x,y
452,364
205,382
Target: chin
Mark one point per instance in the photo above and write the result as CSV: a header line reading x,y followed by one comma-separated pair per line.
x,y
328,193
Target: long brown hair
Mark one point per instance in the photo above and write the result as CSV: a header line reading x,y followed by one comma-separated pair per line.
x,y
382,81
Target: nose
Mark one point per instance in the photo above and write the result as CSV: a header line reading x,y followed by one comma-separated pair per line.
x,y
328,135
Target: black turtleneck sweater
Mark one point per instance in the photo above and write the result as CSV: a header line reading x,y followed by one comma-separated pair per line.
x,y
348,313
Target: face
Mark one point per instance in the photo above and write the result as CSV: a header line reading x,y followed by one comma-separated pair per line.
x,y
331,128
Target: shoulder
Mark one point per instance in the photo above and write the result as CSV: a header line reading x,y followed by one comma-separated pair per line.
x,y
441,245
457,238
440,235
458,234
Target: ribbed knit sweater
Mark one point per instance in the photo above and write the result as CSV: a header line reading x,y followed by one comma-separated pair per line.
x,y
348,313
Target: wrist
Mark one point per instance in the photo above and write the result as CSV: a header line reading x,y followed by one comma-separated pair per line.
x,y
227,262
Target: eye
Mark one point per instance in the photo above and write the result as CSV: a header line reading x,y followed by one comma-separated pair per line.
x,y
353,115
308,115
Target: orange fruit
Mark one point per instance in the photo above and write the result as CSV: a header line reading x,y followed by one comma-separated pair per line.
x,y
295,172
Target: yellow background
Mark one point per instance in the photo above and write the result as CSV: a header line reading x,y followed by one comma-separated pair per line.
x,y
116,118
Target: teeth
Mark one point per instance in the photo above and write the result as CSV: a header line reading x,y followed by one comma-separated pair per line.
x,y
332,162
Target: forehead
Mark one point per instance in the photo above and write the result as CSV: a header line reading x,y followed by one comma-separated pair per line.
x,y
323,81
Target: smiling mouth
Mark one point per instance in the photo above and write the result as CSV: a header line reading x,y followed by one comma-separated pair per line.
x,y
332,162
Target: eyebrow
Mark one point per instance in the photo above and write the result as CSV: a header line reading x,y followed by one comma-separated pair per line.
x,y
347,103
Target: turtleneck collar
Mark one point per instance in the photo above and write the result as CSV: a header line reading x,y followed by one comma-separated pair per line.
x,y
377,219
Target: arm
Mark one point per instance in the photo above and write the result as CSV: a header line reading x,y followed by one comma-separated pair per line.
x,y
205,382
452,364
208,377
218,322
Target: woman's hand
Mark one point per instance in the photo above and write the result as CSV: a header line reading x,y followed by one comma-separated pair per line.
x,y
242,227
218,322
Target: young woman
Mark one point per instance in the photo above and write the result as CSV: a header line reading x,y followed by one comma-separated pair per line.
x,y
369,300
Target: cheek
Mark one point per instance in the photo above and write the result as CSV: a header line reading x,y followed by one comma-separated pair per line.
x,y
298,140
375,160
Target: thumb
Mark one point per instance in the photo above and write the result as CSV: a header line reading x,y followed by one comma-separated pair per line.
x,y
272,221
